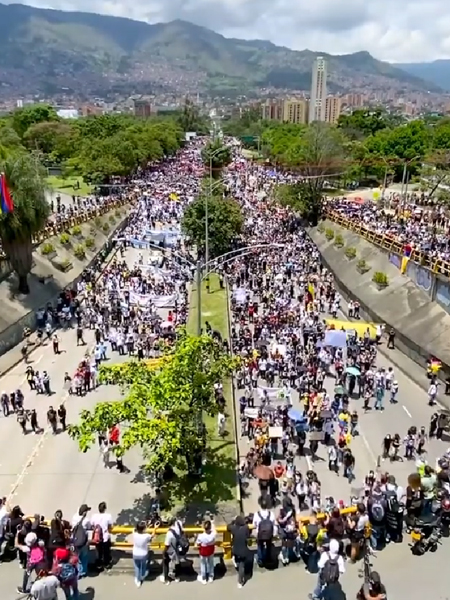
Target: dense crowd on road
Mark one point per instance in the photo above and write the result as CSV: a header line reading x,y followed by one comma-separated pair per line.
x,y
298,384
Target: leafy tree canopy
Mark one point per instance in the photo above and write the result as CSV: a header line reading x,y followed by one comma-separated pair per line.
x,y
161,408
225,222
216,156
25,117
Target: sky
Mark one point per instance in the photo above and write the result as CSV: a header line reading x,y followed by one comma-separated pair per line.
x,y
391,30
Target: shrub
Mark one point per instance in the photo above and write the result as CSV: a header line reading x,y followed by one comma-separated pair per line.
x,y
64,238
105,227
97,221
112,219
329,234
47,248
380,278
339,241
92,232
350,252
65,263
89,242
118,214
80,252
76,230
362,266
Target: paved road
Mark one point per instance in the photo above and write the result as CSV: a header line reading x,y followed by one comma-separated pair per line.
x,y
395,564
44,473
412,409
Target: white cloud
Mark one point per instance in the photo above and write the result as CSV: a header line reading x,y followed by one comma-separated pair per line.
x,y
393,30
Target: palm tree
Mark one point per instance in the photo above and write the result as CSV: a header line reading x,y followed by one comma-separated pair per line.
x,y
25,178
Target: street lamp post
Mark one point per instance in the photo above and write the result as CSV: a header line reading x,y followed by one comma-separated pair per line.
x,y
207,199
404,190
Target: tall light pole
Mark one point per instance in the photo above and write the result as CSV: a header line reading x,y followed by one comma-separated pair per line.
x,y
207,199
404,183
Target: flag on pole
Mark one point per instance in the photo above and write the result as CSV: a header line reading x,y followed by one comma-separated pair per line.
x,y
6,201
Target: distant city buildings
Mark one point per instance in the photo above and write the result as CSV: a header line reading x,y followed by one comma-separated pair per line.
x,y
319,107
318,90
296,111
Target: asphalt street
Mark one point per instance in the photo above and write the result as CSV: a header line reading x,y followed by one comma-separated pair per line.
x,y
43,473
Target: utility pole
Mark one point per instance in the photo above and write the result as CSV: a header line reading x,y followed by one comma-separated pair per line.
x,y
198,277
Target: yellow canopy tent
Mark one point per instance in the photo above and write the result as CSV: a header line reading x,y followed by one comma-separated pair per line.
x,y
359,326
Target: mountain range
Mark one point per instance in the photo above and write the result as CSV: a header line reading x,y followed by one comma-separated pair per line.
x,y
50,51
436,72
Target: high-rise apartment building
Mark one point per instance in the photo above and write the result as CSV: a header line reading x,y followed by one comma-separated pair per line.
x,y
332,109
318,90
272,110
296,111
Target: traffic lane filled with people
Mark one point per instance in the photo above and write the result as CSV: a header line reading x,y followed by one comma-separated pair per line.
x,y
57,462
411,409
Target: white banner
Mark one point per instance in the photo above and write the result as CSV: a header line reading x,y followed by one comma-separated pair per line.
x,y
279,394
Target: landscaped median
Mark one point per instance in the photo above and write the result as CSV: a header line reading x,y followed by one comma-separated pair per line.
x,y
224,468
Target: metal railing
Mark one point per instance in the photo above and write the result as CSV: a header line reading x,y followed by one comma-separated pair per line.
x,y
223,540
391,244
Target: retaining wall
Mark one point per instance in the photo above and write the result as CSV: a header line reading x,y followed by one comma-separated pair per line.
x,y
407,304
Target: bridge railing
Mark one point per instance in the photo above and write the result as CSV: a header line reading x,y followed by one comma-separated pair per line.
x,y
389,243
223,540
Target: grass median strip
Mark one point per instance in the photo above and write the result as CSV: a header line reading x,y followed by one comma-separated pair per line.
x,y
69,185
218,484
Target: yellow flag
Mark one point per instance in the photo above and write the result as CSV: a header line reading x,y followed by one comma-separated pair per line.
x,y
311,289
404,265
173,197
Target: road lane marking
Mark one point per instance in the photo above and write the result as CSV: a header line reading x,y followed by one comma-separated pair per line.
x,y
29,461
368,447
407,411
309,463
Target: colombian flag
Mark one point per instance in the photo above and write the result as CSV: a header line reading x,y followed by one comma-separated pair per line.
x,y
6,201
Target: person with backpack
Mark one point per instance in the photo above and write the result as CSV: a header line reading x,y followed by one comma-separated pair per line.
x,y
394,511
36,561
376,511
65,568
176,545
80,539
331,566
265,526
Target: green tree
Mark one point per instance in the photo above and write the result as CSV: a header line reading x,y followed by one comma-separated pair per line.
x,y
190,119
318,155
51,138
225,222
216,156
24,175
23,118
161,409
279,137
364,122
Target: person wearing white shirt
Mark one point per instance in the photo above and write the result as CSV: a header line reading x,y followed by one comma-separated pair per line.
x,y
331,554
3,518
264,544
102,521
141,540
206,546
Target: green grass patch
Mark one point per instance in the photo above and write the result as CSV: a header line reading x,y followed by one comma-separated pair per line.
x,y
218,484
69,185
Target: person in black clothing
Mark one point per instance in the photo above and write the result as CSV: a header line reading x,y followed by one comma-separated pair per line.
x,y
241,553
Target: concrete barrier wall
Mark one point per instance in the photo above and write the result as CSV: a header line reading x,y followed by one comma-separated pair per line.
x,y
13,335
422,326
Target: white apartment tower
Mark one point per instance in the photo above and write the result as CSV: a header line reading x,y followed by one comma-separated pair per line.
x,y
318,90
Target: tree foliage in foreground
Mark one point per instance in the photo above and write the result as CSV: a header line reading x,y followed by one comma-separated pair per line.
x,y
225,222
160,410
